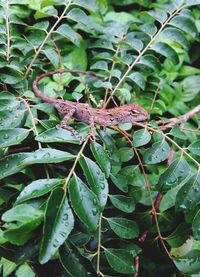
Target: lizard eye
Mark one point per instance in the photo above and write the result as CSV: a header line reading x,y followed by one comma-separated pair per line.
x,y
135,111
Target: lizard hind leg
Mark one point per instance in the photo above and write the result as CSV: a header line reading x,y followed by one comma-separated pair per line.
x,y
63,124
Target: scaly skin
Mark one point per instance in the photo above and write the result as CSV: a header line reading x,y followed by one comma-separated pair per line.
x,y
83,112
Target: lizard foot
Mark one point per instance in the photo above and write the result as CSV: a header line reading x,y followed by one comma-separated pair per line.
x,y
72,130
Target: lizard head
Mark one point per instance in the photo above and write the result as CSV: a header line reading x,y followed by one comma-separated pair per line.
x,y
135,112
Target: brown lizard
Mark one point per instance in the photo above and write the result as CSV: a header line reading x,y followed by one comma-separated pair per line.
x,y
83,112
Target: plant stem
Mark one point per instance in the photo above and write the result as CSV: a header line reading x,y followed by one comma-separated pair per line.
x,y
99,245
141,54
75,163
7,31
46,38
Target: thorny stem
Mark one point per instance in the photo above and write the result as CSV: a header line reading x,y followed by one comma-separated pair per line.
x,y
7,31
74,164
99,245
141,54
46,38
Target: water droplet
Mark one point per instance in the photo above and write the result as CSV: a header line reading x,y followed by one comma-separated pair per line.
x,y
95,211
46,155
94,201
65,216
102,185
63,234
196,189
182,206
6,136
163,149
6,165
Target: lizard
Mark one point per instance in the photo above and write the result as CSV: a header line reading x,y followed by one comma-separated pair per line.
x,y
84,112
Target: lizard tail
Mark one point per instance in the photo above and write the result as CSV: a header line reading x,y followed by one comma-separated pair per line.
x,y
51,100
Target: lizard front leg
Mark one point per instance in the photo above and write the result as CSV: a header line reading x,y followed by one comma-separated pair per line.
x,y
63,124
91,134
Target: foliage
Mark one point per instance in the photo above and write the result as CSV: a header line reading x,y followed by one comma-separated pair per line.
x,y
129,202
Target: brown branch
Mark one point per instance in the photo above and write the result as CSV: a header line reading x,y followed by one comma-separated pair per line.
x,y
137,263
177,120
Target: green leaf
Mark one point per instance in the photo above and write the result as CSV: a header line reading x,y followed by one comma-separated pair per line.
x,y
10,119
67,32
196,226
52,55
123,227
132,42
25,271
7,267
123,203
138,79
47,155
58,224
38,188
120,182
96,179
178,236
11,164
120,260
101,65
195,147
158,153
159,15
11,76
10,137
169,199
191,87
73,262
28,219
57,135
85,203
90,5
186,24
141,137
22,213
101,157
125,154
165,50
148,28
189,194
174,175
79,16
151,62
8,101
178,133
176,35
189,263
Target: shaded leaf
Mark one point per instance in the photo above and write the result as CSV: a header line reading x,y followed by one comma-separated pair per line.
x,y
189,194
120,260
101,157
14,136
138,79
158,153
58,224
67,32
96,179
38,188
151,61
123,203
57,135
195,147
165,50
84,202
176,35
123,227
174,175
141,137
47,155
184,23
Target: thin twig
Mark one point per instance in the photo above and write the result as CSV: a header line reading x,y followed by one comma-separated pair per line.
x,y
7,31
142,53
180,119
46,38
